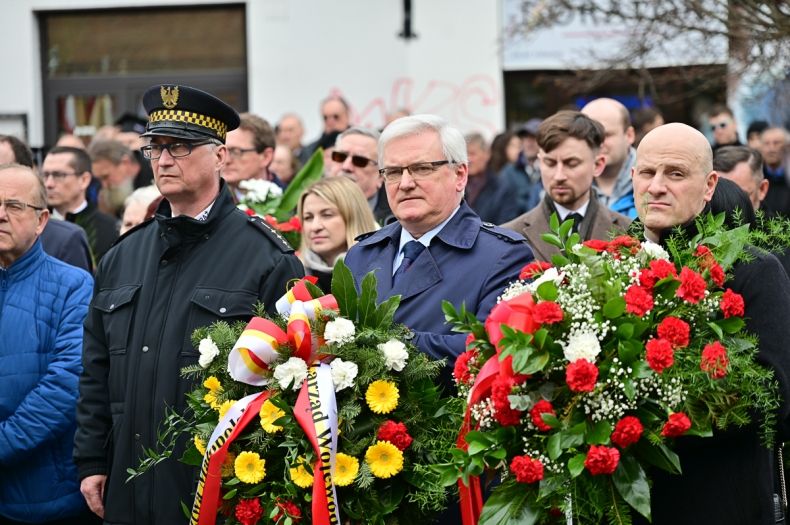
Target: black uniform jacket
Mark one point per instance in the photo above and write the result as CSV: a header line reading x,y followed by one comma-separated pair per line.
x,y
162,280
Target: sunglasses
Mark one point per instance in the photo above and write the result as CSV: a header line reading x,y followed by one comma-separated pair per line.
x,y
357,160
720,125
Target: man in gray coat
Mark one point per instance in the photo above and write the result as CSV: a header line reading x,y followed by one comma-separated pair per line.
x,y
570,159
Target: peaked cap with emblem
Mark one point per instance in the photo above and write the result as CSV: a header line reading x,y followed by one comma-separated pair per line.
x,y
187,113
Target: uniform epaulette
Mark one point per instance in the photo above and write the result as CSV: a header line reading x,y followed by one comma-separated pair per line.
x,y
275,236
501,233
364,236
133,229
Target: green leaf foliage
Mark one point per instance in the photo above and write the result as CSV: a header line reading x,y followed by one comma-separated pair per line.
x,y
631,483
308,174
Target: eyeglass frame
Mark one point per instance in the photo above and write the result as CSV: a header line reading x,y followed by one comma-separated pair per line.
x,y
25,206
241,151
354,159
720,125
57,175
435,165
191,145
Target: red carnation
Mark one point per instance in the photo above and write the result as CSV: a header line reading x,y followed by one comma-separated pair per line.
x,y
249,511
662,268
716,274
638,300
677,425
547,312
526,469
732,304
469,340
674,330
287,509
596,244
500,390
250,212
704,252
627,431
692,286
581,376
714,360
540,408
647,278
534,269
624,242
602,460
659,354
461,371
395,433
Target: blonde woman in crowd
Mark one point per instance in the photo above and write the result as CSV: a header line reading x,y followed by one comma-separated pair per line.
x,y
333,212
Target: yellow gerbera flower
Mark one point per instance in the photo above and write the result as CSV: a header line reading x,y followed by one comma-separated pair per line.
x,y
346,469
200,445
224,407
211,399
249,467
228,468
213,385
382,396
269,414
385,459
300,476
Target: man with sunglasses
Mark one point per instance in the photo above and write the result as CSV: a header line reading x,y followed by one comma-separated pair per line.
x,y
723,127
43,302
336,114
198,261
354,156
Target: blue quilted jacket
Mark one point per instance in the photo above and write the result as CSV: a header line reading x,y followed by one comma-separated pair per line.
x,y
43,303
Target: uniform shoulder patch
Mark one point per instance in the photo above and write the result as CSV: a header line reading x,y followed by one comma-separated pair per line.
x,y
502,233
364,236
275,236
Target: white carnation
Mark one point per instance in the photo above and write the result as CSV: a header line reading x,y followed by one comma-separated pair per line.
x,y
259,190
654,251
292,373
581,345
552,274
343,373
395,354
208,351
339,331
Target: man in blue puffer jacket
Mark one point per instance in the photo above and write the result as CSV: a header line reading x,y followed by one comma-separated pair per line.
x,y
43,303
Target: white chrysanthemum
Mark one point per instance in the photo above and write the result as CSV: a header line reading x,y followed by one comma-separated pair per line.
x,y
582,345
343,373
395,354
552,274
292,373
654,251
208,351
258,190
339,331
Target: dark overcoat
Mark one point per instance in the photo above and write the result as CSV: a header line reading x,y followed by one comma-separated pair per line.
x,y
162,280
469,262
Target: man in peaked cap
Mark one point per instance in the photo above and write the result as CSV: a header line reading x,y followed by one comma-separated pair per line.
x,y
198,261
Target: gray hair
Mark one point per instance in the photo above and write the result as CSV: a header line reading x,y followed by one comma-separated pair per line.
x,y
145,195
357,130
453,143
41,189
727,157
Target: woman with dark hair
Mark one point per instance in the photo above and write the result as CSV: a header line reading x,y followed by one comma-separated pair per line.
x,y
505,150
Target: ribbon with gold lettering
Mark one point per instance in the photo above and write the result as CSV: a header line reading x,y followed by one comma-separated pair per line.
x,y
250,360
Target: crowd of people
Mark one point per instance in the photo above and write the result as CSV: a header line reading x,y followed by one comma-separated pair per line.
x,y
112,253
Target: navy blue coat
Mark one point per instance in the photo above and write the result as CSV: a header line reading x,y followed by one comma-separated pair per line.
x,y
66,241
468,262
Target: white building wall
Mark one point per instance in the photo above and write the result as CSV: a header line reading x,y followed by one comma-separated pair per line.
x,y
300,51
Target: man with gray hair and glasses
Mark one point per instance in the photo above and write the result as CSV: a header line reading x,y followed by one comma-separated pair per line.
x,y
43,302
438,249
200,260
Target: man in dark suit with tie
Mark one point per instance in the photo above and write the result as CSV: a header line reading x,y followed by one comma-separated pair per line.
x,y
569,161
438,249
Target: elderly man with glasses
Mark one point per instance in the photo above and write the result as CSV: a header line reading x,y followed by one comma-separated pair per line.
x,y
43,302
439,248
250,153
198,261
354,156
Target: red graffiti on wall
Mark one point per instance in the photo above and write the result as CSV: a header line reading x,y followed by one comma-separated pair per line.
x,y
467,105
